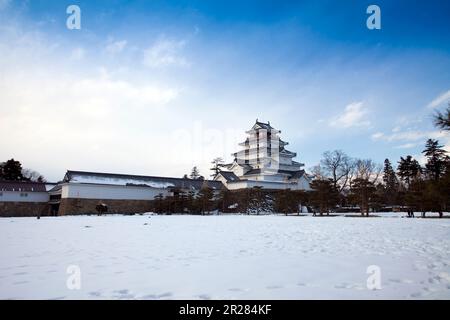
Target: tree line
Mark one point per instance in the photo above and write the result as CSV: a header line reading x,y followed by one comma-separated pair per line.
x,y
339,183
12,170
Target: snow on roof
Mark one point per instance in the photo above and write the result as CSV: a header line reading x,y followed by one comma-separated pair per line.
x,y
119,181
49,186
132,180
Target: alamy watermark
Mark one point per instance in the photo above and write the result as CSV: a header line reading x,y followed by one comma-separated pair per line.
x,y
73,281
374,20
374,280
73,22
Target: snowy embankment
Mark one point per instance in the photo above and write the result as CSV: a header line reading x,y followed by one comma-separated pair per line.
x,y
224,257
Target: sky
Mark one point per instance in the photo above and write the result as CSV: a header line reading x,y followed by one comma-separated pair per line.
x,y
156,87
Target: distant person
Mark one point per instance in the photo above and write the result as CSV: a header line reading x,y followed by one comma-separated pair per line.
x,y
101,208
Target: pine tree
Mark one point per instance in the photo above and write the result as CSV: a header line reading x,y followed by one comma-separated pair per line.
x,y
159,203
324,195
285,202
390,183
224,199
195,174
408,169
442,120
362,191
12,170
217,164
256,199
205,197
436,159
191,201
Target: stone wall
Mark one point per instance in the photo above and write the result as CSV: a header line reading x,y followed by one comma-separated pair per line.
x,y
74,206
24,209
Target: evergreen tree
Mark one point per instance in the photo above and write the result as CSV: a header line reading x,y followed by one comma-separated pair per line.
x,y
217,164
408,169
436,159
256,199
195,174
224,199
191,201
205,197
362,191
12,170
442,120
159,203
285,202
324,195
390,184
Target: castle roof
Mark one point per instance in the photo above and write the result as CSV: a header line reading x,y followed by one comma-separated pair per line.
x,y
229,176
25,186
262,125
137,180
292,174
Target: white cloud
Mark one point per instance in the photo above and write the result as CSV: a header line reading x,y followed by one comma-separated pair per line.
x,y
407,146
442,98
77,54
164,53
413,138
88,118
409,136
354,116
377,136
116,46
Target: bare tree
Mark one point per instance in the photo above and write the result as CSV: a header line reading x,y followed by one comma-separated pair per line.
x,y
32,175
368,170
363,184
339,167
318,172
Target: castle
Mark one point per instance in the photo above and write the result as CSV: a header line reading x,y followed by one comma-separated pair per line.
x,y
263,162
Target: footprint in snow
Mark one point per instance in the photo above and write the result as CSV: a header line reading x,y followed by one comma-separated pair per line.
x,y
95,293
346,285
157,296
274,287
416,295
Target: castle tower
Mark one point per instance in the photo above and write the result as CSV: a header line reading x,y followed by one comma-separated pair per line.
x,y
264,159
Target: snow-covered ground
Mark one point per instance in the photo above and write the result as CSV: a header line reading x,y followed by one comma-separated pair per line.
x,y
224,257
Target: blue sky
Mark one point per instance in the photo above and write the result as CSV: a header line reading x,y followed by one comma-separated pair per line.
x,y
155,87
